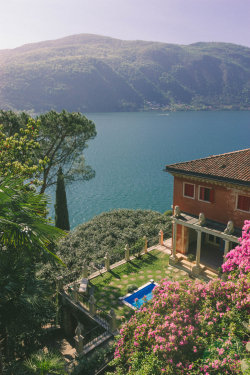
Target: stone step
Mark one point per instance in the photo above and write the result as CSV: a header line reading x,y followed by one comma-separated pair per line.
x,y
96,342
102,322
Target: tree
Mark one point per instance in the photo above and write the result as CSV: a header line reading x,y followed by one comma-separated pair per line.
x,y
12,121
61,209
26,242
23,222
18,152
63,137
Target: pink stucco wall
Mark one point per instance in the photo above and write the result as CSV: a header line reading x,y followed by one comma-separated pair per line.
x,y
222,209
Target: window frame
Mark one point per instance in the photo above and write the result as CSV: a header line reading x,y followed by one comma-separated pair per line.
x,y
237,200
187,196
213,242
206,187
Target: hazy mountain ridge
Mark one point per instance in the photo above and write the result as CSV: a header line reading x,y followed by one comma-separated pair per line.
x,y
94,73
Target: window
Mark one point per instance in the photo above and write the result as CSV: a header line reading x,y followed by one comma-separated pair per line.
x,y
243,203
213,240
206,194
188,190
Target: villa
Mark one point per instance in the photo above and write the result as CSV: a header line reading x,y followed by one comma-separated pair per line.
x,y
211,200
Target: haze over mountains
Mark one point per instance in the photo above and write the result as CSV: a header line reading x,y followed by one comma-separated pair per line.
x,y
91,73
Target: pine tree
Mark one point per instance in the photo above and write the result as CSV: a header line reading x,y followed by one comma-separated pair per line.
x,y
61,209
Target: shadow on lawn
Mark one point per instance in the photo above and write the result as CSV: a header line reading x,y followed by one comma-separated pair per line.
x,y
116,275
149,259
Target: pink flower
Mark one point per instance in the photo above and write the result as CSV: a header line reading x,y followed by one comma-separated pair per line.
x,y
220,351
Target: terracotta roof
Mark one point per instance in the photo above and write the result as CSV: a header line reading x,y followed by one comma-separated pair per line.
x,y
232,167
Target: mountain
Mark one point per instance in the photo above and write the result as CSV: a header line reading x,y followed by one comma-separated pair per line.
x,y
91,73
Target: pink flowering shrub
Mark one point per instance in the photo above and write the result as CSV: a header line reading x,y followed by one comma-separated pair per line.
x,y
188,328
238,259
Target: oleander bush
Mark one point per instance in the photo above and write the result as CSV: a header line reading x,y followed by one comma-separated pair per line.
x,y
188,328
238,259
192,328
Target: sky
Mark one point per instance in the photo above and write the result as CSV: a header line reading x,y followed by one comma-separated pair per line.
x,y
169,21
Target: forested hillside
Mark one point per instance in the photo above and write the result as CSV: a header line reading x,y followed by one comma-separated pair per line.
x,y
95,73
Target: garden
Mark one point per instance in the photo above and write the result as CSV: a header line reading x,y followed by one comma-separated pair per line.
x,y
192,327
116,283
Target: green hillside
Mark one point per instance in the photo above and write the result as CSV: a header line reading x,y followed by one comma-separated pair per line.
x,y
91,73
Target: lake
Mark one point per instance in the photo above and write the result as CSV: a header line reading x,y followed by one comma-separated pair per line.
x,y
132,149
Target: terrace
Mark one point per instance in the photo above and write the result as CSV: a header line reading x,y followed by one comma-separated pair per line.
x,y
112,285
101,305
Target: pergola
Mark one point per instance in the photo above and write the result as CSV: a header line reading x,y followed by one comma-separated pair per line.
x,y
201,225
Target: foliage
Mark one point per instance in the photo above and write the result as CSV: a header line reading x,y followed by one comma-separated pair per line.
x,y
191,257
188,328
88,365
26,241
91,73
45,363
108,232
61,208
26,304
18,152
168,213
22,220
39,147
238,259
63,137
13,121
137,248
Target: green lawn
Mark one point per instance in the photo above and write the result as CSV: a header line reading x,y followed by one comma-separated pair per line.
x,y
112,285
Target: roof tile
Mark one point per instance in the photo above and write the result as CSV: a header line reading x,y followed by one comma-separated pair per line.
x,y
230,166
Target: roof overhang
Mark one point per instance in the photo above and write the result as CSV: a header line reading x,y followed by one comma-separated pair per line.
x,y
175,171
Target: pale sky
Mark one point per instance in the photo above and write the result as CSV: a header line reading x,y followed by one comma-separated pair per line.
x,y
170,21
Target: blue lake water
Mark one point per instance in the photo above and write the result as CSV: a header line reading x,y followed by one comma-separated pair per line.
x,y
132,149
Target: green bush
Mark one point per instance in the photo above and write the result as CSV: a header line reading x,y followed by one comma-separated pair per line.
x,y
108,232
43,363
89,365
168,213
138,247
191,257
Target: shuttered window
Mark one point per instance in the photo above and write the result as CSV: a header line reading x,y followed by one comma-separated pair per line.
x,y
189,190
206,194
243,203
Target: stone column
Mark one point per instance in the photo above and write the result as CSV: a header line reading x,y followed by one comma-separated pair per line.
x,y
59,288
173,258
113,325
85,270
126,253
227,243
197,268
146,245
160,234
107,261
79,338
92,305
